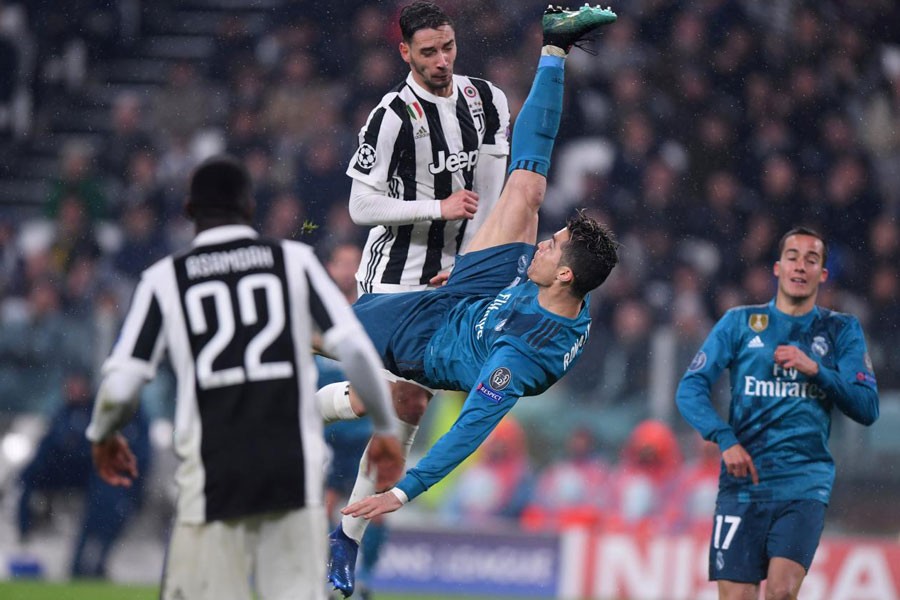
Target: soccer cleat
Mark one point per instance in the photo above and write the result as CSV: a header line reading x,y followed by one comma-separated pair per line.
x,y
342,562
564,28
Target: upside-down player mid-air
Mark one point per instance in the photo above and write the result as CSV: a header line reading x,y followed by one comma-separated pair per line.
x,y
511,320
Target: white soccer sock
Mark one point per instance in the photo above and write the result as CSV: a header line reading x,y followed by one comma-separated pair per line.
x,y
334,402
355,527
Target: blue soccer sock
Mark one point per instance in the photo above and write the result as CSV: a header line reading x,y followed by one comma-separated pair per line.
x,y
538,121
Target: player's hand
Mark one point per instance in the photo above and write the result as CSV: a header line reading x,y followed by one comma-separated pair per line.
x,y
461,204
372,506
114,461
792,357
439,279
738,463
386,458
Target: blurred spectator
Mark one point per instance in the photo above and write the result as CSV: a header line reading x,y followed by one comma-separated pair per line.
x,y
73,235
187,104
141,186
143,242
37,344
129,135
884,322
62,463
78,180
321,179
498,483
293,104
573,490
644,478
880,125
285,217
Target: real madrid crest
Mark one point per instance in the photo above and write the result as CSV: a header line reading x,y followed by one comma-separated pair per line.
x,y
820,345
758,322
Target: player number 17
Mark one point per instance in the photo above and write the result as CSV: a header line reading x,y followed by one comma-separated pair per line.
x,y
733,522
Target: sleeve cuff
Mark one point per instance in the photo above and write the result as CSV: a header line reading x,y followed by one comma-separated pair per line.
x,y
400,494
410,486
726,440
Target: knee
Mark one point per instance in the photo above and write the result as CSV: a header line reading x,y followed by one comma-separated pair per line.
x,y
410,402
779,591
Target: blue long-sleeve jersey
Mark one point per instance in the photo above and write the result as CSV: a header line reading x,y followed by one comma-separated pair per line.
x,y
499,349
780,416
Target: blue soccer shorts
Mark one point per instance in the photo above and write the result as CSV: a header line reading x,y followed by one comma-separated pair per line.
x,y
401,325
747,535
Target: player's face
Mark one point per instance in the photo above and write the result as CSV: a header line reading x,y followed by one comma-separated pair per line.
x,y
800,269
430,55
544,266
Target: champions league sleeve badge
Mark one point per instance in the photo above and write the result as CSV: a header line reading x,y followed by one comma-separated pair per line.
x,y
699,362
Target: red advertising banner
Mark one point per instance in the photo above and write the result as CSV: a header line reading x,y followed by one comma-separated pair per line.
x,y
675,568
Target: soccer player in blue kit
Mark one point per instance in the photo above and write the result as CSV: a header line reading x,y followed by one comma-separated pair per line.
x,y
791,362
510,321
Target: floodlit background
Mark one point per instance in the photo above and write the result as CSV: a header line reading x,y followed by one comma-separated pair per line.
x,y
701,132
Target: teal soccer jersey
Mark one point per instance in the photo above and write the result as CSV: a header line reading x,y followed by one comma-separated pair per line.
x,y
780,416
484,333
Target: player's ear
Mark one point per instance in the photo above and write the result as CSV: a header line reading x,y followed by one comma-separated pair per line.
x,y
564,274
824,276
776,268
405,51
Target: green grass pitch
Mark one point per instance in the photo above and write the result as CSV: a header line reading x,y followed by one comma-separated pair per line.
x,y
38,590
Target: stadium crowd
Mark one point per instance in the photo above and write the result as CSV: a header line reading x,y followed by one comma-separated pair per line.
x,y
704,132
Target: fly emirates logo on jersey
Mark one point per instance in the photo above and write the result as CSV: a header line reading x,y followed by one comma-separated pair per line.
x,y
461,160
784,385
495,304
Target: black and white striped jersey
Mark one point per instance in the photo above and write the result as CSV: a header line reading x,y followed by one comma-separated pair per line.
x,y
418,146
236,314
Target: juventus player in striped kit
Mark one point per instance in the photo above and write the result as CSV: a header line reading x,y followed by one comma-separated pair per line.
x,y
431,160
237,314
511,320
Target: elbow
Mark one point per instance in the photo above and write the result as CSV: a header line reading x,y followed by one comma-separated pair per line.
x,y
358,215
870,417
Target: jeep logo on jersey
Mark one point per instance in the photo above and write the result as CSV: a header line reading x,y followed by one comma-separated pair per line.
x,y
365,156
758,322
500,378
455,162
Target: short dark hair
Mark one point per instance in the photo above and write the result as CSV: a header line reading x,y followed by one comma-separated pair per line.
x,y
801,230
421,15
221,189
591,252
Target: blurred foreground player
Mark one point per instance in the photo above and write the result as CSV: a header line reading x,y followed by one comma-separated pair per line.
x,y
236,313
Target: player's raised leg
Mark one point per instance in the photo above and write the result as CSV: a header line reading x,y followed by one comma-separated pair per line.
x,y
513,219
515,216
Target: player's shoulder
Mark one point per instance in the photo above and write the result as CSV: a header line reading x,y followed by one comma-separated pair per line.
x,y
470,85
394,101
161,267
836,319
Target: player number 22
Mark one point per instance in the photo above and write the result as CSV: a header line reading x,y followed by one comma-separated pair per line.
x,y
733,522
254,369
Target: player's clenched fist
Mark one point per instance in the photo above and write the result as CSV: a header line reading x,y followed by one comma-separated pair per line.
x,y
461,204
